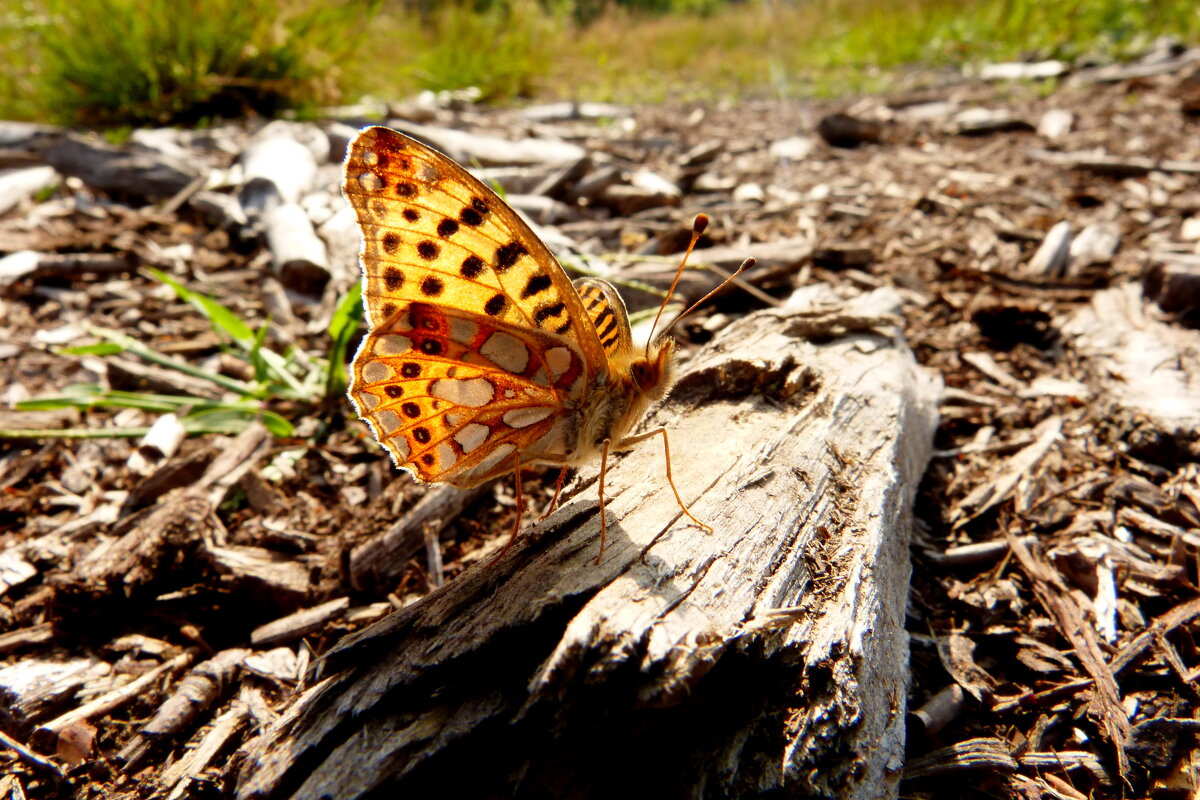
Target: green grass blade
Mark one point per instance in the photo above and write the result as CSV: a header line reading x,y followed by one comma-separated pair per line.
x,y
234,420
131,345
99,349
342,328
219,316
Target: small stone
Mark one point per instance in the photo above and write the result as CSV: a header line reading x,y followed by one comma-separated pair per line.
x,y
749,192
1055,123
1190,230
793,148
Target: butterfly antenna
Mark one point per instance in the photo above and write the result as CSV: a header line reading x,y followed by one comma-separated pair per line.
x,y
747,264
699,225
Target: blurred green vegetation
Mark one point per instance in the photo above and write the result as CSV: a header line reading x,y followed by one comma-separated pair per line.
x,y
113,62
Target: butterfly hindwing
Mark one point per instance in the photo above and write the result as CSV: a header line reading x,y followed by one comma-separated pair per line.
x,y
607,312
452,396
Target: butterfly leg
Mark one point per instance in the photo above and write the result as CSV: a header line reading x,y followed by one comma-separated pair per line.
x,y
603,521
632,440
520,507
558,484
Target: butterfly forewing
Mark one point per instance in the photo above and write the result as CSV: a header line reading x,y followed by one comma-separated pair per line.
x,y
480,350
607,312
433,233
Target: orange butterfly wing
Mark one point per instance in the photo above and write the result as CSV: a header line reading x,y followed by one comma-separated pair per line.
x,y
480,351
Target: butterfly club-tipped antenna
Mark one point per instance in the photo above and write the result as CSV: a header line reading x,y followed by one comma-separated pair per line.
x,y
698,228
699,225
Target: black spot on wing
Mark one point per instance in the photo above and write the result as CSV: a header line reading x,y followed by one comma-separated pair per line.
x,y
393,279
494,307
447,228
432,286
547,312
536,285
428,250
472,267
509,254
470,216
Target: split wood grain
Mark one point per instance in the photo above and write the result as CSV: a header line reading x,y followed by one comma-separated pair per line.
x,y
770,654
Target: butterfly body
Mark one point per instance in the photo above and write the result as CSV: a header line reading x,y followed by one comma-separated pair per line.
x,y
614,409
482,357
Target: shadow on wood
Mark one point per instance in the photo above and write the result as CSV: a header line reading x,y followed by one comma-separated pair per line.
x,y
770,654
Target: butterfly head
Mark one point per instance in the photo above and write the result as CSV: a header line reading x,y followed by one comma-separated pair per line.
x,y
654,372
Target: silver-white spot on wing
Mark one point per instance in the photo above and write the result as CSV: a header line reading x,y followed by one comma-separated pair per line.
x,y
388,421
462,331
392,345
506,352
523,417
376,372
369,181
558,359
471,436
501,452
472,392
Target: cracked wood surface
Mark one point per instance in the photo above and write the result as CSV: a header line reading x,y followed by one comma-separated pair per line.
x,y
770,654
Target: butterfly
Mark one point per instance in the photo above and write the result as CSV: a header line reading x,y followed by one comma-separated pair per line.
x,y
482,357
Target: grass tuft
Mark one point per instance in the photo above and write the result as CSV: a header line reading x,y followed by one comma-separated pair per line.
x,y
112,62
136,61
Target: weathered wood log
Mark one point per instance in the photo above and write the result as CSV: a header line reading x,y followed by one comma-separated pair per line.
x,y
382,558
768,654
474,148
137,171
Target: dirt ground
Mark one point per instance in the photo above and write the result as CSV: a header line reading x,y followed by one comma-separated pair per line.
x,y
1054,606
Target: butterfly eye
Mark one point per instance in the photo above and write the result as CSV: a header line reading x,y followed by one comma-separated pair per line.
x,y
645,373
